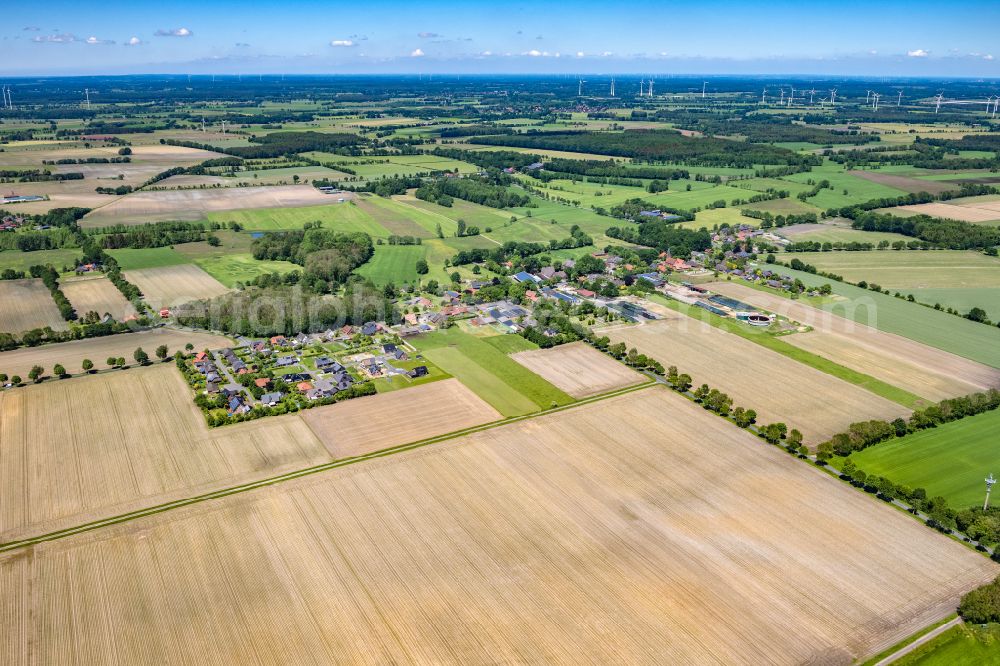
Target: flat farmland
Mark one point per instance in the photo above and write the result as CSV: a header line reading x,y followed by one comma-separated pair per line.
x,y
27,304
77,450
71,354
968,213
380,421
953,278
343,217
905,183
154,206
909,320
929,372
172,285
950,460
96,294
578,369
775,386
600,535
836,233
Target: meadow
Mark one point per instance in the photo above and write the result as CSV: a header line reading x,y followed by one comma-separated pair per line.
x,y
910,320
950,460
344,217
954,278
499,380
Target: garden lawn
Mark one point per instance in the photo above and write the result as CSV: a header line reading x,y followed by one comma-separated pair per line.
x,y
951,460
508,386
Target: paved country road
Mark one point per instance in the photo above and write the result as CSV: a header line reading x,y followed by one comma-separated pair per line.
x,y
929,636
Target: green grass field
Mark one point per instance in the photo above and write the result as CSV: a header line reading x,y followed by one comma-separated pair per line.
x,y
152,257
22,261
393,263
833,233
910,320
959,646
953,278
508,386
951,460
342,217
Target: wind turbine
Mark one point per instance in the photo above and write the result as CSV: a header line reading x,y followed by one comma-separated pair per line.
x,y
612,86
641,82
833,96
86,93
899,100
579,92
703,84
868,97
937,107
650,86
876,97
763,95
782,100
811,93
792,96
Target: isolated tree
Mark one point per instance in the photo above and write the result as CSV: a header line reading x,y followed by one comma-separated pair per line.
x,y
35,373
3,378
461,228
120,362
422,267
111,361
437,230
87,365
59,370
456,277
140,356
161,352
16,380
188,347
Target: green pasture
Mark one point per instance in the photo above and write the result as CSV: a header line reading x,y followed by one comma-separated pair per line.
x,y
152,257
508,386
344,216
950,460
910,320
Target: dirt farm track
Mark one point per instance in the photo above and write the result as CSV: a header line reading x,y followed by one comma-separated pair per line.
x,y
585,536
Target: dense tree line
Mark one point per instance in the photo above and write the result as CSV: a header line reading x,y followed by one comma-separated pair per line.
x,y
665,237
776,129
492,190
630,209
277,144
285,310
327,257
50,278
939,232
658,145
863,434
159,234
520,250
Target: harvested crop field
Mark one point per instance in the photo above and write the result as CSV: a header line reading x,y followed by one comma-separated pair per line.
x,y
81,449
96,294
905,183
607,534
578,369
926,371
168,286
27,304
953,212
778,388
71,354
377,422
155,206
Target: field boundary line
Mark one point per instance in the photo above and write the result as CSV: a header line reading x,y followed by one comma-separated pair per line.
x,y
306,471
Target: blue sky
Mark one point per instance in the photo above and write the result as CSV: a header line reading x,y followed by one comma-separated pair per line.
x,y
889,37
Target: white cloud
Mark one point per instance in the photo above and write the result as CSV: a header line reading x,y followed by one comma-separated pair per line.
x,y
173,32
918,53
486,54
607,54
62,38
417,53
133,41
988,56
427,35
343,43
94,40
579,54
534,53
